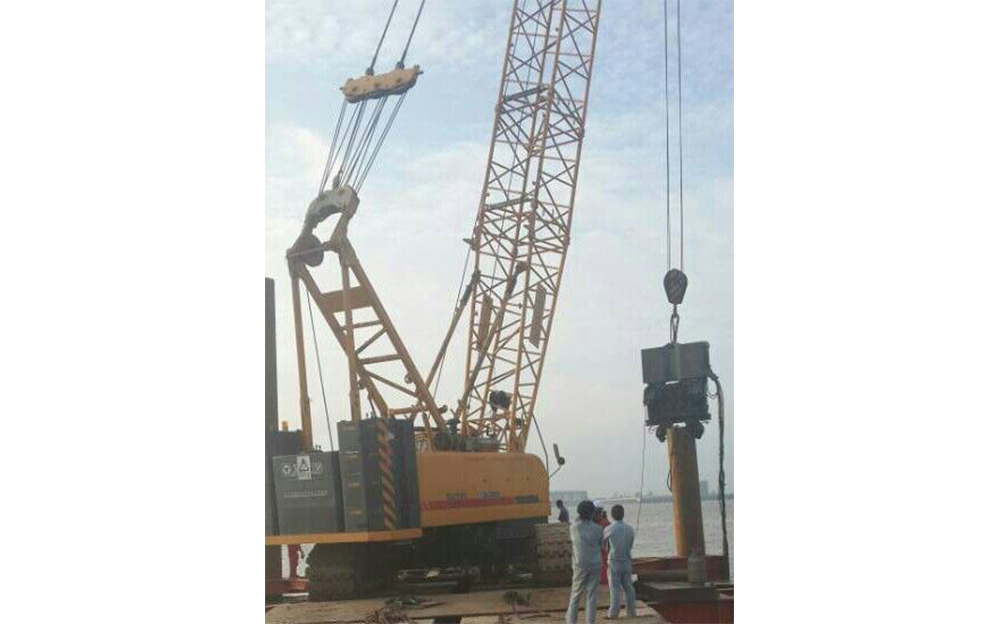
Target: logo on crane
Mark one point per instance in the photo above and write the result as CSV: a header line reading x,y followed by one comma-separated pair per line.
x,y
303,466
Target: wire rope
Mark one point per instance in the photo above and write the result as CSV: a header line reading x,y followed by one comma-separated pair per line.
x,y
378,145
333,144
402,59
545,449
680,132
666,106
356,142
349,150
319,368
642,477
444,358
371,68
366,137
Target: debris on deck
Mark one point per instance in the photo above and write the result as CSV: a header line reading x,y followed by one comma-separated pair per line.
x,y
537,605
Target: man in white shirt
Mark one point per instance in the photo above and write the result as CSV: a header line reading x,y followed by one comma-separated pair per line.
x,y
619,538
586,537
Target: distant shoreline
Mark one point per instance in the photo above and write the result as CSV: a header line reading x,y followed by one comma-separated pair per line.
x,y
659,498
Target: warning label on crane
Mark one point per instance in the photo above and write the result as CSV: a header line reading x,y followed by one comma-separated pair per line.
x,y
303,466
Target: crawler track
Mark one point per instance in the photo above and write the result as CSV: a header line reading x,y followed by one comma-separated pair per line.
x,y
553,553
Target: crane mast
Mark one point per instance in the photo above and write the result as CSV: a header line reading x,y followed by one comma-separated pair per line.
x,y
522,230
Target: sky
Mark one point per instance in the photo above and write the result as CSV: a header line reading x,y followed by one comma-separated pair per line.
x,y
421,197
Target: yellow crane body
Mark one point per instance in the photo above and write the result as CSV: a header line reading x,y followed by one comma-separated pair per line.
x,y
458,489
483,500
468,488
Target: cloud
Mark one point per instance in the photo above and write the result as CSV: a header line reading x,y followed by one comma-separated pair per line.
x,y
293,164
313,32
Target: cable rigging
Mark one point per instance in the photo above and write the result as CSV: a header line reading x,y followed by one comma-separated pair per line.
x,y
319,369
353,153
675,282
356,145
680,131
402,58
666,107
371,67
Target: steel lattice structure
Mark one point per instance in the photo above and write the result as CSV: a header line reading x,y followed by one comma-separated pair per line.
x,y
526,209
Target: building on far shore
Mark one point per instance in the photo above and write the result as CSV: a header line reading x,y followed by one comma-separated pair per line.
x,y
704,489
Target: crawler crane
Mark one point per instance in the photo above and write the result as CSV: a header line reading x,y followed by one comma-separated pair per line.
x,y
483,500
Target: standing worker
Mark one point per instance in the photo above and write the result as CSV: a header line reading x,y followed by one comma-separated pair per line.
x,y
586,537
294,550
619,538
601,520
563,512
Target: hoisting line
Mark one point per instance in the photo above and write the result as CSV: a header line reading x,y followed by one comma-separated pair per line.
x,y
371,68
642,477
402,58
330,156
666,103
545,449
675,317
362,140
680,130
319,368
444,358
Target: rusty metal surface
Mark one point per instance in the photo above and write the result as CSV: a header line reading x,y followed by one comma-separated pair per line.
x,y
689,533
681,603
671,592
286,586
711,612
714,564
484,603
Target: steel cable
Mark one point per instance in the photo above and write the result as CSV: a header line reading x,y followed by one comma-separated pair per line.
x,y
378,145
642,477
402,59
444,358
371,68
319,368
356,158
333,144
545,449
680,131
366,137
666,103
359,113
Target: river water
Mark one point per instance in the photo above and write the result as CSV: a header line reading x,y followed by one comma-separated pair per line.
x,y
655,527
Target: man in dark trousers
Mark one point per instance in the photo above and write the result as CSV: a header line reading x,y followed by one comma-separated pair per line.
x,y
563,512
586,537
294,550
619,537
